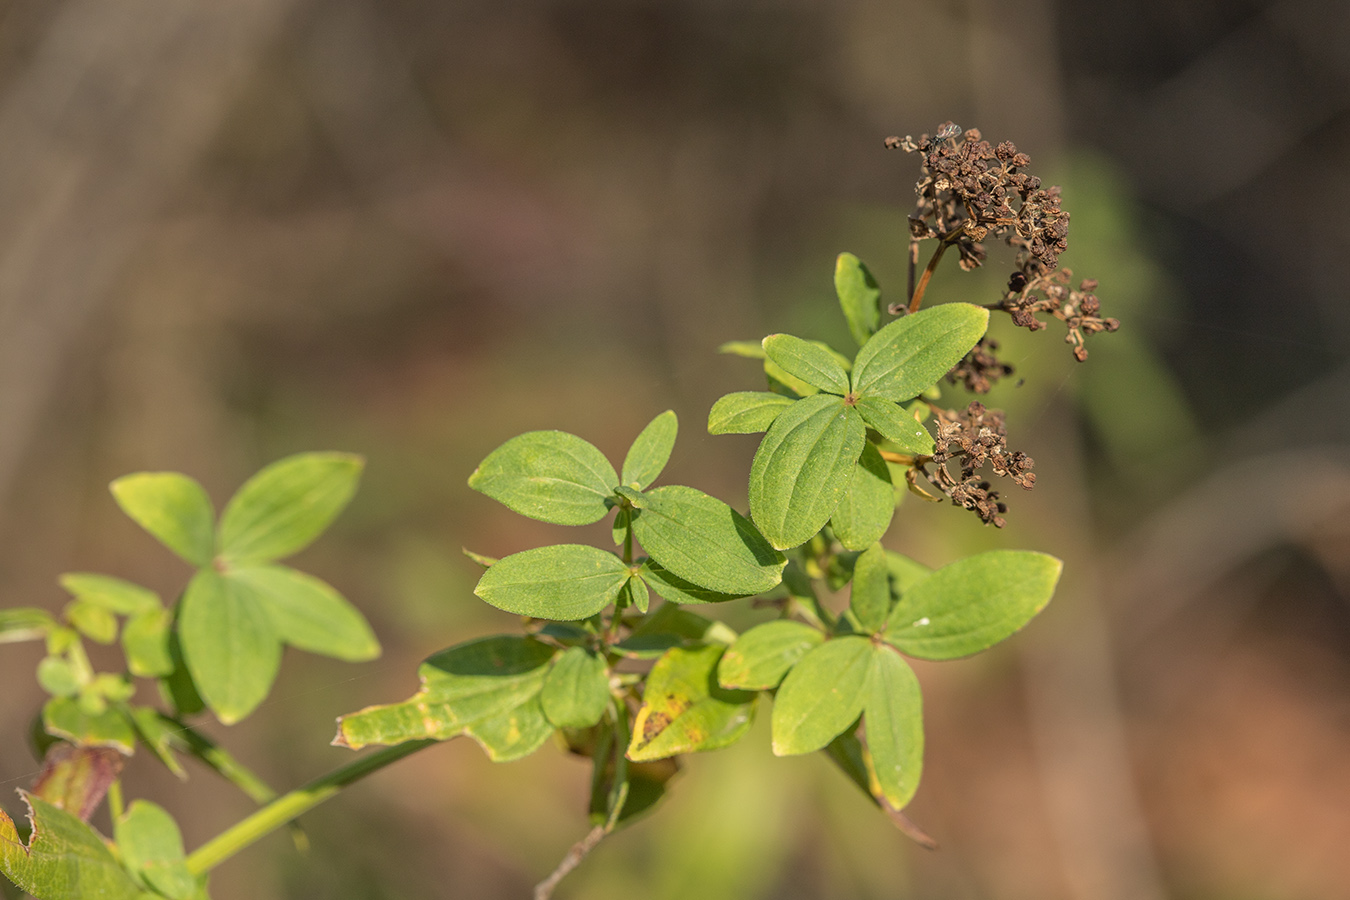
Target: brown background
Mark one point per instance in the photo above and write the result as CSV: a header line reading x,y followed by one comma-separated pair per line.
x,y
413,229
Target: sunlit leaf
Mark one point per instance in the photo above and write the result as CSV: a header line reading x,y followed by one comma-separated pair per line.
x,y
896,425
172,507
807,361
972,604
684,710
865,510
821,696
65,718
563,582
702,540
912,353
145,642
283,508
746,412
893,719
803,467
763,655
113,594
24,623
487,679
576,691
229,643
152,848
93,621
307,613
650,451
64,858
859,296
551,476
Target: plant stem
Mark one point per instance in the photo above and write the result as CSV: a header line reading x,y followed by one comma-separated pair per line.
x,y
916,300
288,806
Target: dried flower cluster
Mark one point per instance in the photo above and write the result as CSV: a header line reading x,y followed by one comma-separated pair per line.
x,y
1050,293
971,190
980,368
971,440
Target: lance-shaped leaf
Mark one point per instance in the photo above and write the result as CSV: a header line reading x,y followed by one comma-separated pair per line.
x,y
803,467
635,594
704,541
972,604
307,613
810,362
859,296
870,595
288,504
551,476
172,507
684,710
896,425
763,655
482,681
821,696
229,643
746,412
65,718
912,353
893,717
64,857
865,510
650,451
576,691
675,589
563,582
152,849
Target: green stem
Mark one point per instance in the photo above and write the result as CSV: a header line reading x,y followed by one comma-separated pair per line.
x,y
289,806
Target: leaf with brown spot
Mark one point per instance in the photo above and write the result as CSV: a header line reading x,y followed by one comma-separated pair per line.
x,y
684,710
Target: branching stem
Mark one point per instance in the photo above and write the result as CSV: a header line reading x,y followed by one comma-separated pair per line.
x,y
289,806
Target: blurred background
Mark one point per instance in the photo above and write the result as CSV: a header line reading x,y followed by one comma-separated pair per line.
x,y
413,229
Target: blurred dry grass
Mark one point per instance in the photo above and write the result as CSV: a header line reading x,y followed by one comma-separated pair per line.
x,y
412,230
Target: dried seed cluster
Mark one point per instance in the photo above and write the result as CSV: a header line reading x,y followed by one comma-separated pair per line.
x,y
980,368
1050,293
971,440
971,190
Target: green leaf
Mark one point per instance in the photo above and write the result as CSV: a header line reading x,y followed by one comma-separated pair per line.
x,y
576,691
905,572
551,476
684,710
763,655
912,353
93,621
514,734
893,717
864,512
896,426
847,752
63,717
283,508
159,734
152,848
476,682
634,594
675,589
821,696
870,596
704,541
650,451
114,594
803,467
58,677
229,644
307,613
145,642
564,582
746,412
669,619
746,349
972,604
64,858
24,623
859,296
618,528
177,688
173,508
808,361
